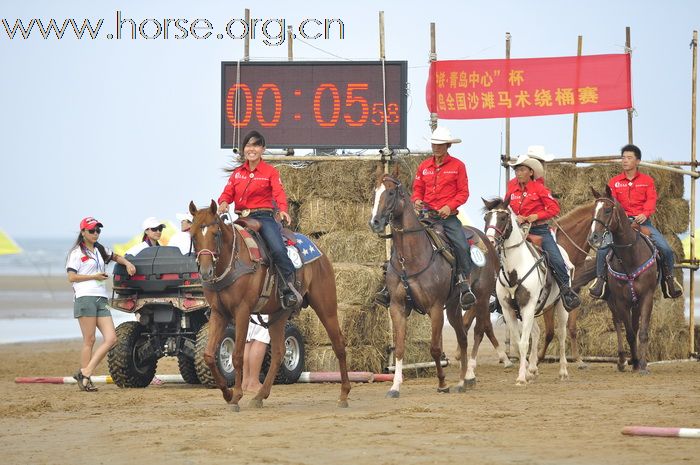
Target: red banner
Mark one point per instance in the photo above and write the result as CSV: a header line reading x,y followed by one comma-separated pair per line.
x,y
475,89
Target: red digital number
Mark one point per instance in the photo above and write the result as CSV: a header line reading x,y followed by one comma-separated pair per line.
x,y
351,100
378,114
392,113
336,105
230,105
259,105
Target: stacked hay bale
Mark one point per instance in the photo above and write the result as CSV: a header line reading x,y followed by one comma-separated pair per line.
x,y
668,337
334,204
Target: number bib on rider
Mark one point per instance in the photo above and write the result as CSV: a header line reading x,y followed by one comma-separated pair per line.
x,y
478,257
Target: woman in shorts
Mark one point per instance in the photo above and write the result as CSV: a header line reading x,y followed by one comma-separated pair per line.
x,y
87,271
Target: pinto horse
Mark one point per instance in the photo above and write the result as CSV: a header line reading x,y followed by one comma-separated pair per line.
x,y
419,277
633,274
525,288
233,284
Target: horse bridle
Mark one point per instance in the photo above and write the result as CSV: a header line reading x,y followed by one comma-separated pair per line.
x,y
606,224
502,234
390,207
218,238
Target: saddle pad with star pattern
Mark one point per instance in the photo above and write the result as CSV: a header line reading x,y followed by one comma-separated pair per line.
x,y
307,249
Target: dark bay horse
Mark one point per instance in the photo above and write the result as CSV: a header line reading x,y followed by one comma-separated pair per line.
x,y
419,274
233,284
633,274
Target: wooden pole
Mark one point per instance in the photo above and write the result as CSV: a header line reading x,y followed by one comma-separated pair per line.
x,y
575,136
628,49
246,40
290,47
433,58
691,310
507,119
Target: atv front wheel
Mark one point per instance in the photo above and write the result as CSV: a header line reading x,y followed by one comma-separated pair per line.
x,y
223,354
125,364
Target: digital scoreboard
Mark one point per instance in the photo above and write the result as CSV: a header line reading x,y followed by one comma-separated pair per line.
x,y
312,104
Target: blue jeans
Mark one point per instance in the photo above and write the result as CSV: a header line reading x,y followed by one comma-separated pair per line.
x,y
549,245
455,233
667,258
271,232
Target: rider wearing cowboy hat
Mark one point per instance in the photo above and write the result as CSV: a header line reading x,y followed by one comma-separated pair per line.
x,y
441,185
533,203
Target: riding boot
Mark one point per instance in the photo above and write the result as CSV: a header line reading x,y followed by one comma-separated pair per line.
x,y
495,305
569,298
598,288
291,299
670,287
382,296
466,296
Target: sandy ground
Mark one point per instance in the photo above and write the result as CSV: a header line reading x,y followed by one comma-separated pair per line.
x,y
577,422
548,421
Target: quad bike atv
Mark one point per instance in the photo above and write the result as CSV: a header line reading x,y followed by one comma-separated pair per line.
x,y
165,294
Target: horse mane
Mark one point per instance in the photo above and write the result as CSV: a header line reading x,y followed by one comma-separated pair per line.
x,y
490,204
576,212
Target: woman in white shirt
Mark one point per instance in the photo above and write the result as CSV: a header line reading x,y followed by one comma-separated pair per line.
x,y
152,230
87,271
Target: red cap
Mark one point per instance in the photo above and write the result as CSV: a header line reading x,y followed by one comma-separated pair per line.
x,y
89,223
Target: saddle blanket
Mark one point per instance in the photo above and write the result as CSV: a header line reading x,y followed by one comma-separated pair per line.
x,y
307,249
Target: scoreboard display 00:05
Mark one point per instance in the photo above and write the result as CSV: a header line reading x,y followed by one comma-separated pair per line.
x,y
315,104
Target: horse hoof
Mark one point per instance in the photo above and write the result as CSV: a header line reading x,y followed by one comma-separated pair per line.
x,y
445,390
458,388
582,366
255,403
521,383
644,372
392,394
235,408
620,368
507,364
563,377
343,404
470,383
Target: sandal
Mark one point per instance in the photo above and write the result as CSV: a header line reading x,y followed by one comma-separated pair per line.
x,y
84,382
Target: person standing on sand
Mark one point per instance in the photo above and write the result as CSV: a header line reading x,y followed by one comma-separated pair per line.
x,y
87,271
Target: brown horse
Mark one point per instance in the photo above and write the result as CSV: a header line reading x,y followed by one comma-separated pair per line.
x,y
419,277
233,284
632,277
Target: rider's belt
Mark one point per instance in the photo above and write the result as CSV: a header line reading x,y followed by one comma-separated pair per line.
x,y
248,211
540,222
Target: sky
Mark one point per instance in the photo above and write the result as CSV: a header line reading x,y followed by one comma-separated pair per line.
x,y
126,129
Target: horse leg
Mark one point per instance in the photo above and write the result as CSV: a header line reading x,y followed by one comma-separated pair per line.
x,y
398,320
217,325
634,316
562,320
502,357
645,305
276,330
453,316
573,339
532,369
621,361
467,320
326,307
436,325
514,331
548,334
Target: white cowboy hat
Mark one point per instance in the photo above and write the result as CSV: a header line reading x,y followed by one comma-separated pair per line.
x,y
442,135
184,217
537,151
151,222
532,163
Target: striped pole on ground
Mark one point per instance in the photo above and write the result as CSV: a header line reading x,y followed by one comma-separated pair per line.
x,y
661,432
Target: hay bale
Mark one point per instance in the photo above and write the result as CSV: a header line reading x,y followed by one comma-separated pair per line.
x,y
367,326
356,284
671,215
360,358
668,332
319,215
297,180
311,328
668,184
353,246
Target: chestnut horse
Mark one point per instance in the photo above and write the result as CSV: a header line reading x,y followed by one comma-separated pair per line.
x,y
418,276
233,284
633,274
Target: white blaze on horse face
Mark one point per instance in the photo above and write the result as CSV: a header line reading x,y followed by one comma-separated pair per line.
x,y
377,194
598,206
490,227
204,231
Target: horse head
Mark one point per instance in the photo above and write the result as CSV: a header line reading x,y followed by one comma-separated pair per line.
x,y
206,231
389,202
498,220
607,218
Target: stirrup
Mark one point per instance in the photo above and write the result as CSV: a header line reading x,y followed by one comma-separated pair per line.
x,y
382,297
670,288
598,288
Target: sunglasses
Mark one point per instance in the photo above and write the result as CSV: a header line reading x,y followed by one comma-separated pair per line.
x,y
93,231
158,229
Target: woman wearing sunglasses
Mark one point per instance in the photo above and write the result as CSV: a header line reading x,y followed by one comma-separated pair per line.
x,y
87,271
152,230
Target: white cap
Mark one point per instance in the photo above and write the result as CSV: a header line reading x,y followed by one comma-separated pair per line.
x,y
184,217
442,135
151,222
537,151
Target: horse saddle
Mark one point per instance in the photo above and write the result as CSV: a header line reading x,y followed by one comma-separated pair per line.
x,y
642,229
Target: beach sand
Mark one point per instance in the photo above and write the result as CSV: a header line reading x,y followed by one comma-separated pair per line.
x,y
573,422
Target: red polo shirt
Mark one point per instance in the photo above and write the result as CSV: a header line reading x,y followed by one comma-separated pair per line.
x,y
254,189
533,198
442,185
637,195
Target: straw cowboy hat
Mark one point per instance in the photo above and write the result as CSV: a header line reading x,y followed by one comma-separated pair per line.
x,y
537,151
442,135
532,163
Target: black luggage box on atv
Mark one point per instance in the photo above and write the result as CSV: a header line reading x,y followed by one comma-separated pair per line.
x,y
158,269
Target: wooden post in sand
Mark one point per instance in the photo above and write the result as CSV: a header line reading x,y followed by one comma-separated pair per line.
x,y
628,50
575,136
691,310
